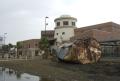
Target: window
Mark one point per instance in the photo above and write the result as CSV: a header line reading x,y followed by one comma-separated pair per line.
x,y
58,23
36,52
56,33
20,52
65,22
63,33
29,46
36,44
73,23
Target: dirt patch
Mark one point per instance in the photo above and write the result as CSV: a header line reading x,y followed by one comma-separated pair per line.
x,y
60,71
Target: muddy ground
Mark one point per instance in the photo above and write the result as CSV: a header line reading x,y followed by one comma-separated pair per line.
x,y
60,71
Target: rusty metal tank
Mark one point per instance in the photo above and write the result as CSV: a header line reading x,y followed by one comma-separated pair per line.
x,y
82,51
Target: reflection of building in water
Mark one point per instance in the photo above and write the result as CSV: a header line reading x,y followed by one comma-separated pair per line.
x,y
66,31
7,74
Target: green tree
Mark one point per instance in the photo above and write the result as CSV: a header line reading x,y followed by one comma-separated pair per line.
x,y
10,45
44,45
5,48
18,46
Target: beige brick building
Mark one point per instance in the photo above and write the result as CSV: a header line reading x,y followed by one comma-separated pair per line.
x,y
49,34
28,48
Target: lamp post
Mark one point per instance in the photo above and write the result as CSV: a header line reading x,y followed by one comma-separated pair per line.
x,y
45,24
4,37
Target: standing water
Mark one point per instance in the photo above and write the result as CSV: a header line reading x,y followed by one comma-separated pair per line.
x,y
11,75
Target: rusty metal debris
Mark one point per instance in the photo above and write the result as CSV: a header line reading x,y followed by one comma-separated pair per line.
x,y
80,51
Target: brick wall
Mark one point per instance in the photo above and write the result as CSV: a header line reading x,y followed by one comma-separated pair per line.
x,y
102,32
49,34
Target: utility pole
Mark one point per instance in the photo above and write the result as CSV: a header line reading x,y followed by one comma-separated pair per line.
x,y
45,24
4,44
4,37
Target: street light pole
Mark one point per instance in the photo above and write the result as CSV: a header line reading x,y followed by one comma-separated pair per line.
x,y
4,37
45,24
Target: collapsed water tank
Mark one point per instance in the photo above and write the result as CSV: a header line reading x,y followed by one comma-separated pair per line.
x,y
80,51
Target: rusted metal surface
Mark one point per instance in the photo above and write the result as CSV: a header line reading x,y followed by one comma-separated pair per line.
x,y
80,51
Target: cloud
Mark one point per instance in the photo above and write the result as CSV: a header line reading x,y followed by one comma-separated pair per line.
x,y
24,19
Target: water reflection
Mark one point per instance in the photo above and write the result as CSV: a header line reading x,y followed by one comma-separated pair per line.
x,y
18,75
11,75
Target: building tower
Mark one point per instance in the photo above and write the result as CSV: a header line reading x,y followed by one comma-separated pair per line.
x,y
64,28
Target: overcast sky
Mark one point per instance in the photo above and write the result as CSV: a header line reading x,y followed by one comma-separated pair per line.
x,y
24,19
